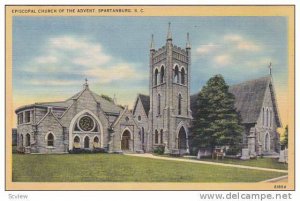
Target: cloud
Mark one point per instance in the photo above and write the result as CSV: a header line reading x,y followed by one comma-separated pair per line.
x,y
240,43
205,49
222,60
52,82
232,51
121,71
66,59
46,59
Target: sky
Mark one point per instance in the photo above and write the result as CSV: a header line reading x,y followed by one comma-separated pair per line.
x,y
52,56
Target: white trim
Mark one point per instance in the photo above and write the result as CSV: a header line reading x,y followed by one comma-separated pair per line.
x,y
181,124
182,67
120,116
74,121
154,69
46,136
76,135
162,65
128,129
176,64
81,128
95,137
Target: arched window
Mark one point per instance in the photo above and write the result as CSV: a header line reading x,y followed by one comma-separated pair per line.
x,y
96,142
143,135
263,116
162,74
267,118
22,140
86,142
182,76
267,142
271,118
27,140
179,104
96,139
156,137
50,140
155,77
176,75
76,142
76,139
161,136
158,104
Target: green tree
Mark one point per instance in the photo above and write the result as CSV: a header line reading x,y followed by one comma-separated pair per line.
x,y
285,139
216,121
106,97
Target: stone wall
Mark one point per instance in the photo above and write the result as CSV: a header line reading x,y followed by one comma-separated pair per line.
x,y
262,128
49,125
142,122
126,122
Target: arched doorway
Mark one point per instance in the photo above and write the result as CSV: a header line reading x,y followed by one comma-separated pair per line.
x,y
28,140
86,142
182,143
267,142
125,140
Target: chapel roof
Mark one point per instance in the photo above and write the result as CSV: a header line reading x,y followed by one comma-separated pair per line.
x,y
145,100
106,106
249,98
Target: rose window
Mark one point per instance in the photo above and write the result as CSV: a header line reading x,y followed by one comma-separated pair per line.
x,y
86,123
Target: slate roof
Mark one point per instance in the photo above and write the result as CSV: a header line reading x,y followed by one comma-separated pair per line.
x,y
145,100
106,106
249,97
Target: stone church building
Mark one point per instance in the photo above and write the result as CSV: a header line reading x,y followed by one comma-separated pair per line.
x,y
89,121
84,121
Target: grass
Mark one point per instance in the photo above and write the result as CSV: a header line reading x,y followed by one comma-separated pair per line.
x,y
121,168
259,162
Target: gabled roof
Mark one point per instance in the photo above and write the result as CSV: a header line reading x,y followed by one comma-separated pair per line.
x,y
145,100
249,98
106,106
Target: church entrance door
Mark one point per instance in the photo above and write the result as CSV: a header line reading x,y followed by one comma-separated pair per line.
x,y
182,141
267,142
125,140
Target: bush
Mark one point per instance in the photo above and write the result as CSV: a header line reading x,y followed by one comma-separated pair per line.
x,y
233,151
160,150
87,151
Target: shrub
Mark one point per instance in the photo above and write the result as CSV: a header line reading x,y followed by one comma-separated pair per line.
x,y
159,150
87,151
234,150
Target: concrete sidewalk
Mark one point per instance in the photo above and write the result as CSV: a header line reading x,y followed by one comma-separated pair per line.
x,y
206,162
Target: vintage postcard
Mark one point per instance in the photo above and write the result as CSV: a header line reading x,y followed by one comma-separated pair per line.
x,y
150,98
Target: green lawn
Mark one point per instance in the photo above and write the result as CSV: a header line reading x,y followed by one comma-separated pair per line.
x,y
122,168
259,162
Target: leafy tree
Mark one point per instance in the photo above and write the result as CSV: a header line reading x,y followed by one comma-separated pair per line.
x,y
285,139
106,97
216,121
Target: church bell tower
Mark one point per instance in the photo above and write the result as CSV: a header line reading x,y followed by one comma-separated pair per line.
x,y
169,89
